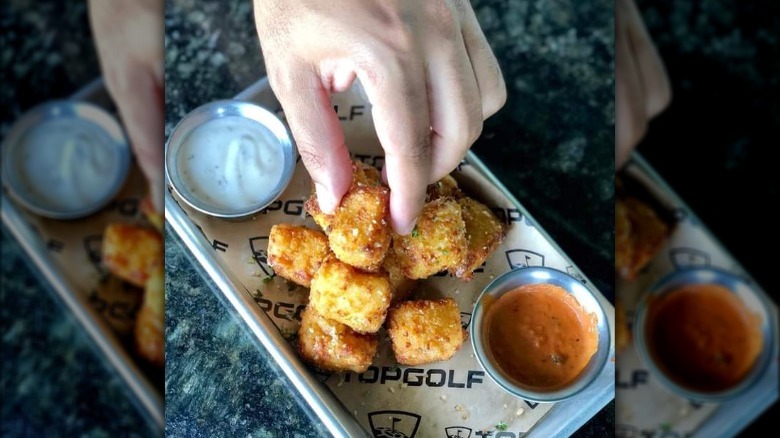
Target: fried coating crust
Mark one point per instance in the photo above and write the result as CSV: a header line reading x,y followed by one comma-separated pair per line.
x,y
437,243
446,187
150,320
639,235
131,252
333,346
425,331
484,233
363,175
296,252
350,296
400,286
360,234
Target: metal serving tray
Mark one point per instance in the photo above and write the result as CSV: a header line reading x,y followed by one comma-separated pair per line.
x,y
79,301
644,407
334,400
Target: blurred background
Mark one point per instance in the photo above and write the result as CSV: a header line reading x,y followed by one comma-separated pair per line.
x,y
715,143
54,381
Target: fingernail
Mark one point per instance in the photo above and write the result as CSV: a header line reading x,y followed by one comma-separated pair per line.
x,y
325,199
404,228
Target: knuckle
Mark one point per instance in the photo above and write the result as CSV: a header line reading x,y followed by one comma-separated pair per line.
x,y
443,20
311,156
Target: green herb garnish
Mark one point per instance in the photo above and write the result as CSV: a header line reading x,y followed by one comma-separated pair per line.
x,y
501,426
415,233
267,280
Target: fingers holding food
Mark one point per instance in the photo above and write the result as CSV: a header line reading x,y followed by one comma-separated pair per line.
x,y
296,252
425,331
360,233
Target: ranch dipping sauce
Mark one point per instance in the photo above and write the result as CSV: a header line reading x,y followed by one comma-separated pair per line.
x,y
540,336
230,162
67,164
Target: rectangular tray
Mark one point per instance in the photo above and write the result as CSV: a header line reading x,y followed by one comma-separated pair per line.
x,y
562,419
77,301
691,244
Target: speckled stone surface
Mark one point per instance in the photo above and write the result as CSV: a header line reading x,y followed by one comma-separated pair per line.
x,y
716,143
552,146
53,380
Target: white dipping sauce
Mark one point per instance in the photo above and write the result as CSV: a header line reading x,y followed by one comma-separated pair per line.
x,y
230,162
67,164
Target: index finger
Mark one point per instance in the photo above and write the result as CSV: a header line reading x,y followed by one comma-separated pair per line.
x,y
398,94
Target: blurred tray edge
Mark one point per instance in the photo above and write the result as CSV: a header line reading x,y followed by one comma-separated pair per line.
x,y
720,424
107,343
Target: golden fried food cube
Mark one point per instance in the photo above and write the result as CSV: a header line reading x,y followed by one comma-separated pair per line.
x,y
360,233
425,331
333,346
363,175
131,252
484,233
400,286
446,187
150,320
639,235
436,244
345,294
296,252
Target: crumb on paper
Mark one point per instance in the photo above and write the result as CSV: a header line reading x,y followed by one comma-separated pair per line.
x,y
404,385
443,397
390,388
505,405
464,415
519,412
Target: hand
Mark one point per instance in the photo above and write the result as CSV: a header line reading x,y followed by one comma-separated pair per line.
x,y
129,39
425,66
642,88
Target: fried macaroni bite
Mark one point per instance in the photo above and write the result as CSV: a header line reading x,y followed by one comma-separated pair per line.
x,y
296,252
333,346
150,321
436,244
484,233
363,175
360,234
446,187
131,252
425,331
400,286
639,235
350,296
358,231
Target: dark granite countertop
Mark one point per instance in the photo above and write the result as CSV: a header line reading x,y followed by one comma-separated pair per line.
x,y
54,382
552,145
715,144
